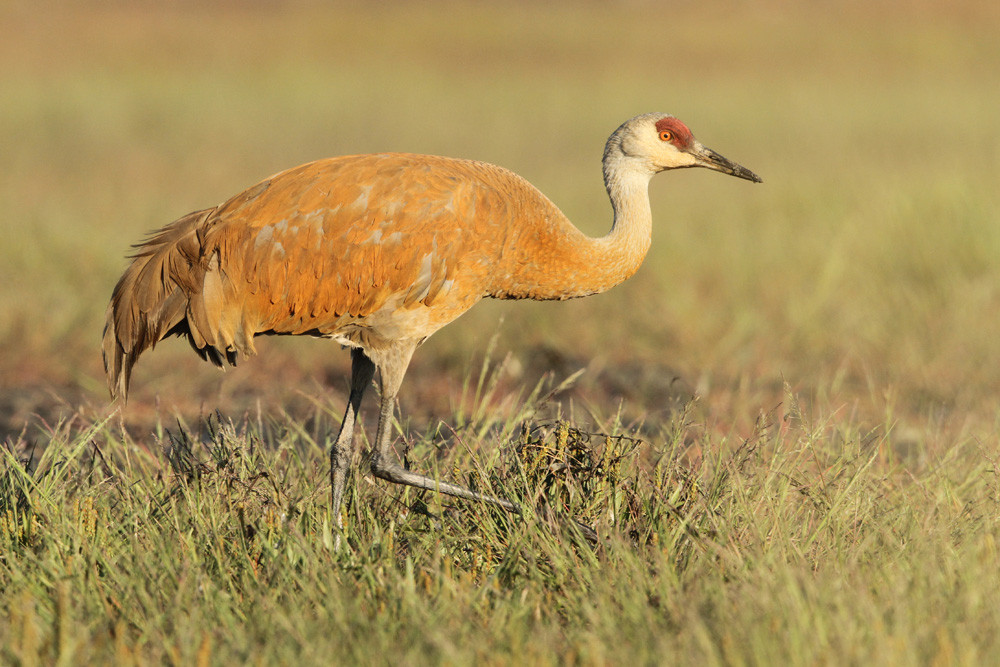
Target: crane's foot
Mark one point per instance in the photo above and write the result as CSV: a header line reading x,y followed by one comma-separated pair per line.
x,y
393,472
552,517
588,533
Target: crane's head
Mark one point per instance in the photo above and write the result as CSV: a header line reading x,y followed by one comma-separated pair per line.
x,y
655,142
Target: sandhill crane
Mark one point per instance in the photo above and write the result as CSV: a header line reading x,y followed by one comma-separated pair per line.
x,y
377,252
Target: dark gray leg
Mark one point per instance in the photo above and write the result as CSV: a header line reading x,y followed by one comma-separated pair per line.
x,y
392,367
362,372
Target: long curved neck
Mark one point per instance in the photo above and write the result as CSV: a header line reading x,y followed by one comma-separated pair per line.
x,y
622,249
561,262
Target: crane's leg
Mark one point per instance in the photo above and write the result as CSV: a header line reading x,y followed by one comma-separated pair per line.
x,y
362,372
392,367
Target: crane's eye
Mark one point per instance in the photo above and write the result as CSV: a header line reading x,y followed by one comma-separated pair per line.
x,y
666,136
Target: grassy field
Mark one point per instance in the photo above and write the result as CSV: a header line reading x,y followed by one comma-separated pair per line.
x,y
786,432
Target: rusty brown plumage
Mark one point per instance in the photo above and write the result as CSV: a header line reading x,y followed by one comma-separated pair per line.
x,y
376,246
378,252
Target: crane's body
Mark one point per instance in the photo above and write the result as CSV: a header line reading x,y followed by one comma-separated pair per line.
x,y
378,252
363,249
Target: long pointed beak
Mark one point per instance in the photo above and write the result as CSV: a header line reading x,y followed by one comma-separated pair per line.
x,y
711,160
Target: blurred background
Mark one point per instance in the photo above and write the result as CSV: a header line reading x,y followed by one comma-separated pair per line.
x,y
864,272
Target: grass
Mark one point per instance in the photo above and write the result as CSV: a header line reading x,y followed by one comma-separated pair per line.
x,y
785,431
807,542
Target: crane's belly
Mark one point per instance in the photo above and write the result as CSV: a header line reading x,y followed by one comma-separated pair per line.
x,y
394,322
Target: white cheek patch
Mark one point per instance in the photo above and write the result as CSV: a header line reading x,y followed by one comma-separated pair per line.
x,y
685,159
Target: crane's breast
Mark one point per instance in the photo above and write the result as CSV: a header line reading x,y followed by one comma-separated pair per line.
x,y
392,245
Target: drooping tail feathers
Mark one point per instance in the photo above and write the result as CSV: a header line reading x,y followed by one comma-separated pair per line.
x,y
152,300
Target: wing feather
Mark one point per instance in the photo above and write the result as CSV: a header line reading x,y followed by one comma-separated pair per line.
x,y
343,239
362,248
